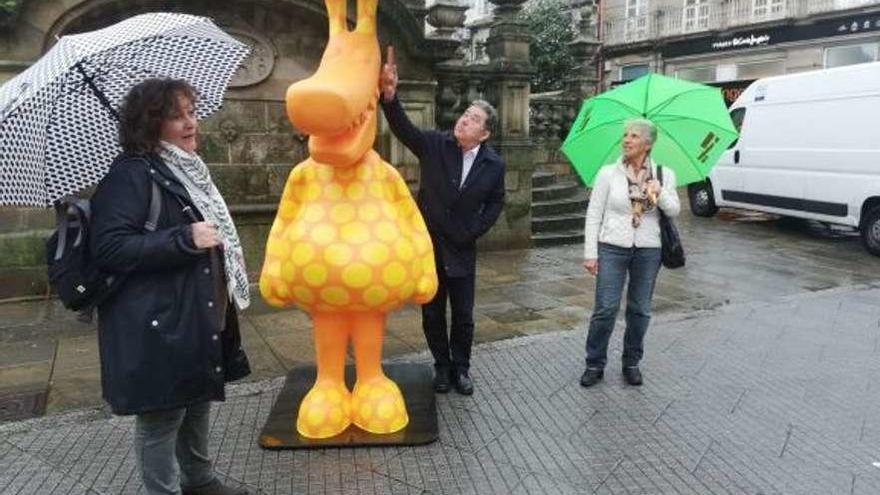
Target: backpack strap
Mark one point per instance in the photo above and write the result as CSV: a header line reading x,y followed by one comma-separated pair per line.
x,y
660,174
70,206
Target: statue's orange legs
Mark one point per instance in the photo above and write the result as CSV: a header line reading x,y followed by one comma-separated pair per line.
x,y
377,405
326,409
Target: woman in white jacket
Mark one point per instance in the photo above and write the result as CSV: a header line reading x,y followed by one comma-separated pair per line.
x,y
622,237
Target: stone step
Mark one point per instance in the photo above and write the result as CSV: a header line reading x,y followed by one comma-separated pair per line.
x,y
555,191
557,238
543,179
574,204
557,223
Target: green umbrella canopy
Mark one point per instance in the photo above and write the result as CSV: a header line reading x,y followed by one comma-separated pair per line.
x,y
693,126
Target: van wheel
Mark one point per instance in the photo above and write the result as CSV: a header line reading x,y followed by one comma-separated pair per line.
x,y
870,230
702,199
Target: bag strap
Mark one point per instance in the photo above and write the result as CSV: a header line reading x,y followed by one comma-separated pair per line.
x,y
660,178
155,207
157,197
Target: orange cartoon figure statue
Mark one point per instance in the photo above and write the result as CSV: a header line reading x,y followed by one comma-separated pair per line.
x,y
348,243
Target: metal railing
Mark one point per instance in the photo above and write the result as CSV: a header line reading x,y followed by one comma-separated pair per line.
x,y
715,15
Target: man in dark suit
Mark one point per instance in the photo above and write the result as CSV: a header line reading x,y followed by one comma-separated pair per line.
x,y
461,193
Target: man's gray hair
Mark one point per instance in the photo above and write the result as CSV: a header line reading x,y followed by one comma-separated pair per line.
x,y
642,127
491,114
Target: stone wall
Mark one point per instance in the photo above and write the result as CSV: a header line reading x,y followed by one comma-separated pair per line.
x,y
249,144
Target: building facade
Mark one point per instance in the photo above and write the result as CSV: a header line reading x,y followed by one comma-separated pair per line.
x,y
730,43
250,144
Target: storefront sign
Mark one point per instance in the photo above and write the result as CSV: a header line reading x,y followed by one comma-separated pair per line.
x,y
742,42
745,40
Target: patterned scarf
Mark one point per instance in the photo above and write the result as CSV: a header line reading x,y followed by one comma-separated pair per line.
x,y
638,191
192,172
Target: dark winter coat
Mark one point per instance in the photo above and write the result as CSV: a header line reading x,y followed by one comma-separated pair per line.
x,y
455,216
160,334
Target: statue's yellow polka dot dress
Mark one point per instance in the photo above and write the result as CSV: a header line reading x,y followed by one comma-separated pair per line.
x,y
348,240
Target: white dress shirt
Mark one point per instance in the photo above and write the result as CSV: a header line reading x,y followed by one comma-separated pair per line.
x,y
467,161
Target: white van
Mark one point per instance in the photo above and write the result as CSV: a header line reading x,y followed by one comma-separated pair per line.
x,y
809,147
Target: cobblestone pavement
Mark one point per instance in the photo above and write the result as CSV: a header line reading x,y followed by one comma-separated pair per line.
x,y
772,397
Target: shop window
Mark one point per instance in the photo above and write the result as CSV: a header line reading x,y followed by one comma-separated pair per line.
x,y
725,72
630,72
697,74
839,56
757,70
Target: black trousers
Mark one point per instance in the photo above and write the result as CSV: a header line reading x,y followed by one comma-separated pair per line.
x,y
452,350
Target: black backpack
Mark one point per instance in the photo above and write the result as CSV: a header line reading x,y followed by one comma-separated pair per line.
x,y
80,285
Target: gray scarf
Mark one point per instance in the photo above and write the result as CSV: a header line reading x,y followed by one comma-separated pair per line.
x,y
192,172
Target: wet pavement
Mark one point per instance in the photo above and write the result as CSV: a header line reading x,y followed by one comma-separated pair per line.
x,y
47,355
761,376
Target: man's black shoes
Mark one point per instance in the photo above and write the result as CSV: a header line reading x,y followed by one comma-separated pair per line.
x,y
441,380
592,376
632,375
463,384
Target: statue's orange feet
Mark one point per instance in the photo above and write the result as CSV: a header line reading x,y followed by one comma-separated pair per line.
x,y
377,406
325,411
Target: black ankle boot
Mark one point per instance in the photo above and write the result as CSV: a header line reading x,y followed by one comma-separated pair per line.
x,y
592,376
632,375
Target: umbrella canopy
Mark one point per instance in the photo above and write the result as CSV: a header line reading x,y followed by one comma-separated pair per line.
x,y
58,126
693,126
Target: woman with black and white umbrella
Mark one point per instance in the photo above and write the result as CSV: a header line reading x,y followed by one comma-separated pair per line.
x,y
169,336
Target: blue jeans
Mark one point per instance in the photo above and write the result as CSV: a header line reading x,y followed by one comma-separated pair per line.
x,y
172,449
642,266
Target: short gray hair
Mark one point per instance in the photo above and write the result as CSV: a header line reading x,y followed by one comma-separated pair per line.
x,y
491,114
642,127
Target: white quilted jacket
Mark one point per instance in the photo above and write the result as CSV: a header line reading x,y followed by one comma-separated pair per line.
x,y
609,215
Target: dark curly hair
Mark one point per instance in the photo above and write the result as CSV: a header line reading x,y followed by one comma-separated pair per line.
x,y
145,107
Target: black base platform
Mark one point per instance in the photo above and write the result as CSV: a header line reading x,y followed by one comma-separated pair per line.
x,y
414,381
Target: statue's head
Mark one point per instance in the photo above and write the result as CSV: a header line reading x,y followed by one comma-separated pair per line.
x,y
336,106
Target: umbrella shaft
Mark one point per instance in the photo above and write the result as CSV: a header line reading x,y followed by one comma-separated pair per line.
x,y
98,93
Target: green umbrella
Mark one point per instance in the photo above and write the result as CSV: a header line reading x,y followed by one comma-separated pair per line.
x,y
693,126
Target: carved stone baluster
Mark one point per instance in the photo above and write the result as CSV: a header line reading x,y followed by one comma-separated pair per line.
x,y
446,105
539,132
555,122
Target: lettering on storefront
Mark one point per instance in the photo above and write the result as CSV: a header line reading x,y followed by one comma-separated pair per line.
x,y
742,42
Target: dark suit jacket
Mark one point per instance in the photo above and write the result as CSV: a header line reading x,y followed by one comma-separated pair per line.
x,y
455,216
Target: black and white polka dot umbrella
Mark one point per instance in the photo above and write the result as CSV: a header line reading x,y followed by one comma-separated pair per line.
x,y
58,128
